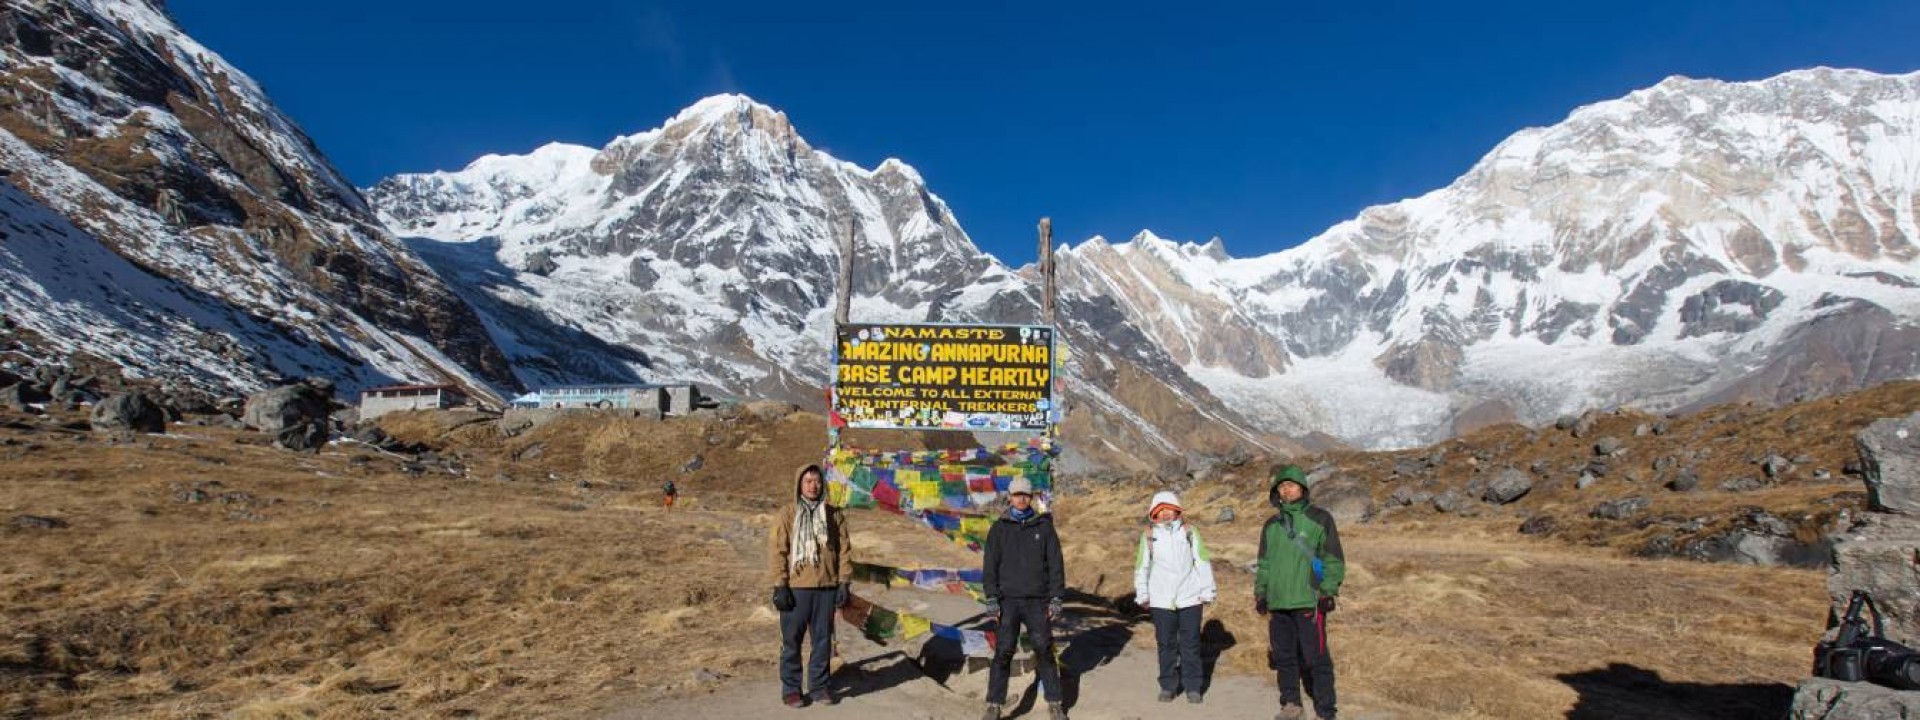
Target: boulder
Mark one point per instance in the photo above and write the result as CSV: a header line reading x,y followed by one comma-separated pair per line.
x,y
1823,699
1877,556
1742,484
1642,430
1775,466
1403,496
1584,426
767,411
302,437
1660,427
1451,501
130,412
1607,446
38,522
1686,481
282,407
1890,462
20,395
1586,480
1621,509
1507,486
1226,516
693,464
1347,500
1540,525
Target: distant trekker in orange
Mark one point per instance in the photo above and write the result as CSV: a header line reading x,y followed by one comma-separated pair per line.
x,y
671,493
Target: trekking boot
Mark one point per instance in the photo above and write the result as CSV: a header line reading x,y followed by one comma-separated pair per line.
x,y
1056,711
794,700
1291,712
824,697
993,712
1193,698
1166,696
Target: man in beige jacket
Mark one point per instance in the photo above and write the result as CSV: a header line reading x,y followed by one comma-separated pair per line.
x,y
810,564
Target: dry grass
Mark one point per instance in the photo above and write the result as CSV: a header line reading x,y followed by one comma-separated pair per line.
x,y
339,586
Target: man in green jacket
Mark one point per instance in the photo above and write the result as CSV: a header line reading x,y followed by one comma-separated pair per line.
x,y
1299,575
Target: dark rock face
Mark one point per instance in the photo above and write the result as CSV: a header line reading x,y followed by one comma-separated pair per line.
x,y
1708,310
129,411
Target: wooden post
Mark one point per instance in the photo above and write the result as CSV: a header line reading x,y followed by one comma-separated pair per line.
x,y
842,306
843,290
1046,270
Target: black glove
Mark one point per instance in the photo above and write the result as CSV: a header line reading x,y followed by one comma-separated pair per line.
x,y
1259,606
783,598
841,596
1054,609
993,607
1326,603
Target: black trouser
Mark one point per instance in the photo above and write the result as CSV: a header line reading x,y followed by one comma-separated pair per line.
x,y
1178,634
1032,614
812,613
1297,638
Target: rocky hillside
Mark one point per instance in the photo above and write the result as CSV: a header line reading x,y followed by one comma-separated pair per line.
x,y
1691,243
163,215
1738,483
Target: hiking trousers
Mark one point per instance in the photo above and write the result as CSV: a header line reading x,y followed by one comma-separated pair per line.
x,y
812,615
1030,613
1297,640
1178,634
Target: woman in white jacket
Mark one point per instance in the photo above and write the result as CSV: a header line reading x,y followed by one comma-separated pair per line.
x,y
1173,577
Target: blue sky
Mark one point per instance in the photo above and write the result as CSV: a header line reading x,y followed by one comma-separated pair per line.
x,y
1262,123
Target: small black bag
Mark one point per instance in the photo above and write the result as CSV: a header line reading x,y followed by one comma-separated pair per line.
x,y
1863,652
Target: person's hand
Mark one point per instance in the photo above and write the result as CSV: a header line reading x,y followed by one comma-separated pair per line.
x,y
1259,608
993,607
783,598
1326,603
1055,610
842,595
1142,601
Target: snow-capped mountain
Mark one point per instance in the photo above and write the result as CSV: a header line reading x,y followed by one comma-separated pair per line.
x,y
162,214
1694,242
706,250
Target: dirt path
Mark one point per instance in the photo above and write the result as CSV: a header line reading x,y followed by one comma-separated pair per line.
x,y
1110,667
889,686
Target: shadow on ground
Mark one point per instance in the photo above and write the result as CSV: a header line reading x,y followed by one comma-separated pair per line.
x,y
1621,691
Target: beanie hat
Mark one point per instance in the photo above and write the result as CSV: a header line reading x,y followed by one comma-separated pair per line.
x,y
1020,486
1163,500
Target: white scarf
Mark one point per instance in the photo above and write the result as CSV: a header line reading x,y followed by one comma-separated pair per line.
x,y
809,533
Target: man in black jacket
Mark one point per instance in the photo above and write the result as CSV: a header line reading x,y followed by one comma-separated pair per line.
x,y
1025,580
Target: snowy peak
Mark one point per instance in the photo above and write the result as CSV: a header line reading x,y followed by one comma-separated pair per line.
x,y
1619,256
